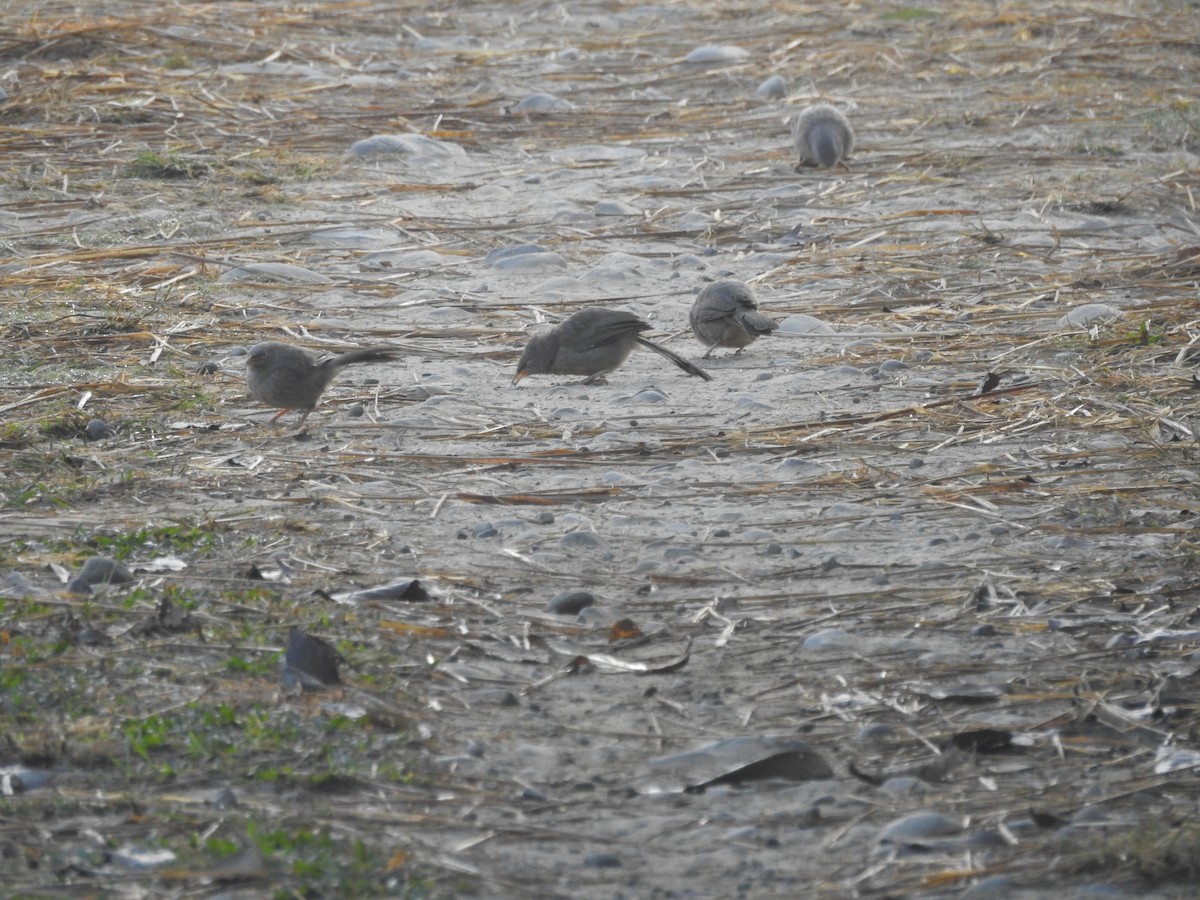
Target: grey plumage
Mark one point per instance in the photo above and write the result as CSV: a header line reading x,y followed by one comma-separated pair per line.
x,y
592,342
823,136
290,377
725,314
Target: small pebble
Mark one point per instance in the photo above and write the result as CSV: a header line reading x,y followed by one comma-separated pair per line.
x,y
406,145
583,540
904,785
543,104
532,261
801,323
105,570
97,429
614,208
771,89
918,826
754,404
828,639
878,732
602,861
569,603
93,637
225,798
501,253
79,585
649,395
846,371
675,553
995,886
756,534
492,697
707,55
1088,313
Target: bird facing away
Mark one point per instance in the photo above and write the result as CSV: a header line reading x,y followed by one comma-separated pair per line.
x,y
592,342
823,136
289,377
726,314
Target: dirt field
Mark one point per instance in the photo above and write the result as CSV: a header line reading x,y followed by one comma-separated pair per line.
x,y
864,621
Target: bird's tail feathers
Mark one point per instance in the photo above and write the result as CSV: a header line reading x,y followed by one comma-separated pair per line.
x,y
689,367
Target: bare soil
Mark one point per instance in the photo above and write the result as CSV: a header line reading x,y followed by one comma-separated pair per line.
x,y
932,633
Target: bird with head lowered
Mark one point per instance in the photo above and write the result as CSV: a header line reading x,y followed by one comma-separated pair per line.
x,y
592,343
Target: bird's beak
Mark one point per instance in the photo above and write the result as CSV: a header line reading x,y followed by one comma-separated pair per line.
x,y
521,373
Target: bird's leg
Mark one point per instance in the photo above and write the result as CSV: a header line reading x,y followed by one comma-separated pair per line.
x,y
708,353
275,418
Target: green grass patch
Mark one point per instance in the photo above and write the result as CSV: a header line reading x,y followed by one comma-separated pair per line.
x,y
167,166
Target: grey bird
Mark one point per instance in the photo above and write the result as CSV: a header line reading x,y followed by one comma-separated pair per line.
x,y
289,377
726,314
592,342
823,136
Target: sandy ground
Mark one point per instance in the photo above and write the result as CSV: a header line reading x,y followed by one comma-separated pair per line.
x,y
975,611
